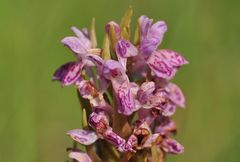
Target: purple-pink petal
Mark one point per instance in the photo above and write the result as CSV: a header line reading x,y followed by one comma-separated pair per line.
x,y
157,31
174,58
97,61
166,126
161,67
62,70
75,44
114,139
85,137
122,50
131,143
151,35
81,34
176,95
99,121
125,98
117,29
145,24
86,89
169,109
172,146
145,92
79,156
68,73
125,48
113,70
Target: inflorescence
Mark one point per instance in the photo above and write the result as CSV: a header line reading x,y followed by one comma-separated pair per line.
x,y
125,92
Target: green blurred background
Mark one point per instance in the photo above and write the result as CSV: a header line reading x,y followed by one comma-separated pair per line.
x,y
36,113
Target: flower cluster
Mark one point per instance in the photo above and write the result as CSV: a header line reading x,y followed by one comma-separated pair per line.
x,y
125,92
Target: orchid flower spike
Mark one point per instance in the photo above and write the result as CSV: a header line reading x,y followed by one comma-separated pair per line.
x,y
125,92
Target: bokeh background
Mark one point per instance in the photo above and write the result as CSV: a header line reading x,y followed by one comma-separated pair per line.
x,y
35,113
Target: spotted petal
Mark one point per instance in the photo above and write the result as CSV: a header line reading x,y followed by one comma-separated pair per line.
x,y
151,35
131,143
125,48
145,92
79,156
85,137
125,99
86,89
113,70
99,121
172,146
169,109
75,44
176,95
174,58
115,140
161,67
68,73
123,89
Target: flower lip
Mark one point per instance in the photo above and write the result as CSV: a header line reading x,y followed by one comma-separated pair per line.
x,y
85,137
68,73
172,146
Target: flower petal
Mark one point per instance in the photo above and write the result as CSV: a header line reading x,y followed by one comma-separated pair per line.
x,y
151,35
172,146
147,115
161,67
75,44
125,48
117,29
68,73
87,89
85,137
166,126
174,58
80,156
113,70
145,92
114,139
176,95
151,139
157,31
145,24
99,121
169,109
62,70
123,89
131,143
98,61
83,37
126,102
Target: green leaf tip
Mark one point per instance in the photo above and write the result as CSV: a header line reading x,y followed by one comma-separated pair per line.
x,y
106,54
93,34
125,23
84,119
